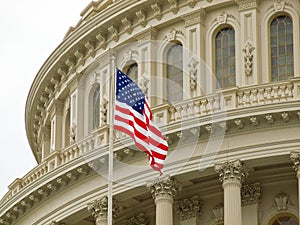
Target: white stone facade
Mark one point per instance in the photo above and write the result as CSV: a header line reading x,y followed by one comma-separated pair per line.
x,y
234,152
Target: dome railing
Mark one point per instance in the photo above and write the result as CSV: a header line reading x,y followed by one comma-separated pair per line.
x,y
222,101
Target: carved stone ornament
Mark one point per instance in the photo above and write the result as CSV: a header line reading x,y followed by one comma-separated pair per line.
x,y
193,73
248,58
143,84
218,213
189,207
103,111
251,193
99,208
139,219
247,4
295,158
231,170
281,201
279,6
73,133
222,18
167,187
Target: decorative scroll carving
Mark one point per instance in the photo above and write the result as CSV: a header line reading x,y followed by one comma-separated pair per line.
x,y
141,17
281,201
251,193
218,213
139,219
189,207
128,24
114,32
101,37
157,10
173,6
167,187
248,58
231,170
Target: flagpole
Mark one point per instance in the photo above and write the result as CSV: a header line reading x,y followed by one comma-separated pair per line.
x,y
111,140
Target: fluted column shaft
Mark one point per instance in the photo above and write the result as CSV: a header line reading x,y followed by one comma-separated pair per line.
x,y
232,202
231,175
163,191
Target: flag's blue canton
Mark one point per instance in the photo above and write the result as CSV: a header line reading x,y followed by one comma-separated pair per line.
x,y
128,92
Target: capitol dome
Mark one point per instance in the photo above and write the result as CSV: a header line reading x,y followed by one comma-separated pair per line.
x,y
222,80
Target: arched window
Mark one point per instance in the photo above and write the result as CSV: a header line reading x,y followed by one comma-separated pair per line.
x,y
282,53
225,58
96,108
284,219
132,71
175,73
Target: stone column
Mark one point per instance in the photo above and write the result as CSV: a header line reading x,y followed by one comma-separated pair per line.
x,y
231,174
163,191
189,210
251,194
295,158
99,209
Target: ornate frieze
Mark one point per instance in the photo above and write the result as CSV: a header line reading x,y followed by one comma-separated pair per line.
x,y
167,187
139,219
99,208
251,193
281,201
248,58
189,207
231,170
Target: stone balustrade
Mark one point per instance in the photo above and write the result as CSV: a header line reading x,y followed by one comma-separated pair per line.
x,y
224,100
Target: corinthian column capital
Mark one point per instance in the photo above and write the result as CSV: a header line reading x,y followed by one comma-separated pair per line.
x,y
232,170
167,187
251,193
189,207
99,209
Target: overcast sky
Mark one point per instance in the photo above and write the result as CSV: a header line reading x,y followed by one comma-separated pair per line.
x,y
30,31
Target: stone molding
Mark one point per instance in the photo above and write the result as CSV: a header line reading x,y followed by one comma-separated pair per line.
x,y
251,193
167,187
189,207
231,170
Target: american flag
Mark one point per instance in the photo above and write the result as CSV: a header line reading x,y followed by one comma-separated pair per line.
x,y
134,117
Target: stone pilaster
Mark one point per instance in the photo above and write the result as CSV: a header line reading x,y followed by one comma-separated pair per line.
x,y
99,210
163,191
231,175
249,39
295,158
189,209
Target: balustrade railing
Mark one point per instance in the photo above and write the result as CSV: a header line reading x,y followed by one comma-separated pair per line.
x,y
221,101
